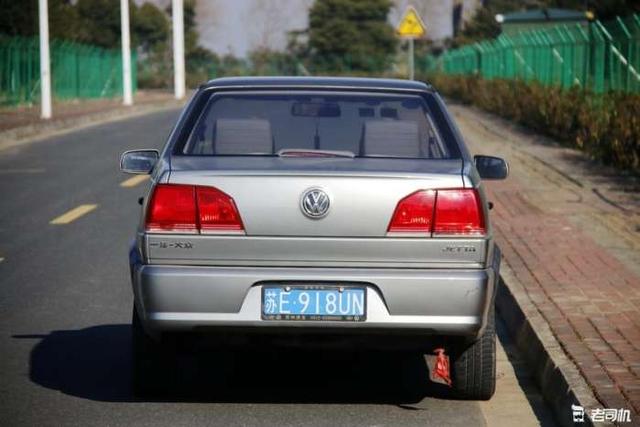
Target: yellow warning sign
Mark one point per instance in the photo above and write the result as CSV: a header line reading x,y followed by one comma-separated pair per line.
x,y
411,24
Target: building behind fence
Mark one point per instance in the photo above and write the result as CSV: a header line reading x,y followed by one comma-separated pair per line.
x,y
595,56
291,65
77,70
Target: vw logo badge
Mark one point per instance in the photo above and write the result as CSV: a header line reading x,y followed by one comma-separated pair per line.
x,y
315,203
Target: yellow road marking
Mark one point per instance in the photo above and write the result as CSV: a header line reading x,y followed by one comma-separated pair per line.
x,y
73,214
134,180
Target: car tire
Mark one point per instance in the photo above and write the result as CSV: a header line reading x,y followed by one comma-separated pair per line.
x,y
473,367
148,359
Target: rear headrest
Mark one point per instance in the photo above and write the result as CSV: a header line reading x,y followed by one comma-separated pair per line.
x,y
395,138
243,136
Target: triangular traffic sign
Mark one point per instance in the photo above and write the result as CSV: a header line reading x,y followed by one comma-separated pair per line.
x,y
411,24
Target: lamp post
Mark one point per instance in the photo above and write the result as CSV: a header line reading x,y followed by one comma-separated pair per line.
x,y
45,65
178,48
127,98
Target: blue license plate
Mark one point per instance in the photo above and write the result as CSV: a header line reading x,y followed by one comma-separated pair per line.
x,y
311,302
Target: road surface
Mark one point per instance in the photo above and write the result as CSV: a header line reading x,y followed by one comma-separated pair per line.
x,y
67,216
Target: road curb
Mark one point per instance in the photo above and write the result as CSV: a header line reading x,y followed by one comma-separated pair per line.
x,y
22,135
558,378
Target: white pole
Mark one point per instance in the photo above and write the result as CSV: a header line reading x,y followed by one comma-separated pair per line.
x,y
45,70
178,48
411,67
127,98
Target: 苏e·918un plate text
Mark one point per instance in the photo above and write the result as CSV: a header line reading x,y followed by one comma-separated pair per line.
x,y
314,302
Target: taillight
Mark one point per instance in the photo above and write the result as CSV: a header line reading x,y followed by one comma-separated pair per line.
x,y
173,209
414,213
459,212
217,211
450,212
177,208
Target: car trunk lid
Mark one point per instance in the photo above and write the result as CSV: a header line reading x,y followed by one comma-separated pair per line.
x,y
363,193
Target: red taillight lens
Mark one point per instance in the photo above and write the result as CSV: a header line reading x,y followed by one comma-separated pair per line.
x,y
217,211
172,208
191,209
459,212
414,213
441,212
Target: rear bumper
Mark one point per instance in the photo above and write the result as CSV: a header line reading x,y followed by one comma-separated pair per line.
x,y
421,301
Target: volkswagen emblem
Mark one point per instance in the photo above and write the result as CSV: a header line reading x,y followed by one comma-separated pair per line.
x,y
315,203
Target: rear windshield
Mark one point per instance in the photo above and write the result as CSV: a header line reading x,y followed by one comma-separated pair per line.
x,y
358,124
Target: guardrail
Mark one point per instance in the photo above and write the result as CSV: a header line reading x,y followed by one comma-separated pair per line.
x,y
595,56
77,70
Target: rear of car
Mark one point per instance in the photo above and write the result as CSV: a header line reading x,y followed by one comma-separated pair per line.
x,y
334,206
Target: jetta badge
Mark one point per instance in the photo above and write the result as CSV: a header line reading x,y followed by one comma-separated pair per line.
x,y
315,203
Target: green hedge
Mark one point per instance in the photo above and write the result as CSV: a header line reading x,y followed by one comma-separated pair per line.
x,y
606,127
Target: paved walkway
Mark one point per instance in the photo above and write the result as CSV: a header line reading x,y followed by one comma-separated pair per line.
x,y
570,232
22,125
26,115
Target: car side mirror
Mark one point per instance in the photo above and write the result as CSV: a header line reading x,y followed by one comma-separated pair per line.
x,y
490,167
139,161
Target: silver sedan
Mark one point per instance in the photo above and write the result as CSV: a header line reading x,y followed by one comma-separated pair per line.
x,y
298,207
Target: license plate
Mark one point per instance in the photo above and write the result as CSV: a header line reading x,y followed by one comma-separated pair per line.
x,y
312,302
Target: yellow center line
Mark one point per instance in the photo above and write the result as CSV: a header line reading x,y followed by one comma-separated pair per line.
x,y
134,180
73,214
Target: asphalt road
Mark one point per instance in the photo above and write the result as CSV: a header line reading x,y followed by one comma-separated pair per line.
x,y
65,308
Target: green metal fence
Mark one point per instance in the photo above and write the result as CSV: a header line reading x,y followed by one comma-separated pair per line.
x,y
596,56
77,70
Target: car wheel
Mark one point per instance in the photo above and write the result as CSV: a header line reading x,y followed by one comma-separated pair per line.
x,y
473,368
148,359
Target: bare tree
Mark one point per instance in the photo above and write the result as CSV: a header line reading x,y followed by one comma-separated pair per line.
x,y
272,20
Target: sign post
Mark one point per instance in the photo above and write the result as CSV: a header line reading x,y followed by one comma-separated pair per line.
x,y
411,27
411,58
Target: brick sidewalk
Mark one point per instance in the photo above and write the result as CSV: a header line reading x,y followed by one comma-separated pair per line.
x,y
590,300
569,230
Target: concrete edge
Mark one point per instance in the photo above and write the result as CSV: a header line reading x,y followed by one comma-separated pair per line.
x,y
558,378
23,135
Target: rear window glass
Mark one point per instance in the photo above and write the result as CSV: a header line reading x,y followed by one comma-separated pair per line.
x,y
362,124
